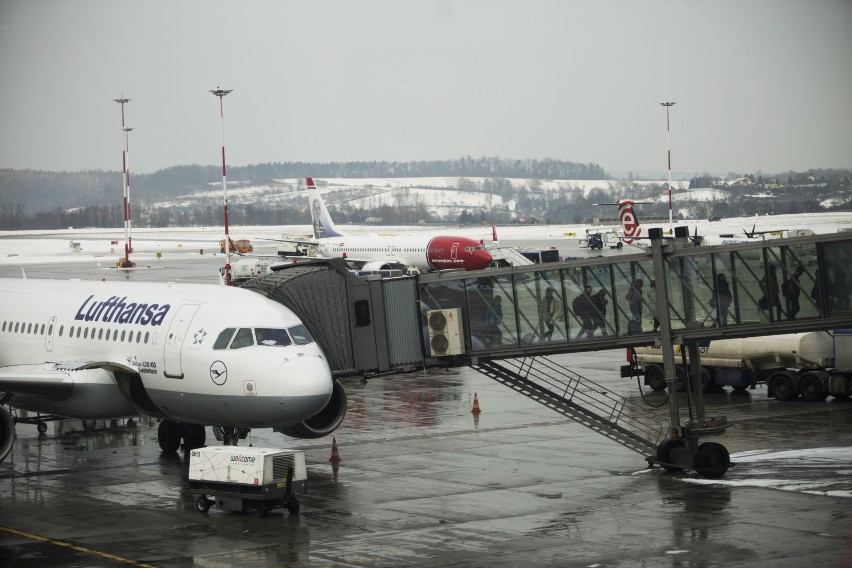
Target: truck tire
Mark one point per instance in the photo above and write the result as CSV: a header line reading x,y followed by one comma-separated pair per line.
x,y
655,377
781,386
810,387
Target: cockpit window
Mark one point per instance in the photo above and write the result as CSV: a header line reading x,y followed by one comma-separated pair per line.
x,y
244,338
224,338
272,337
300,335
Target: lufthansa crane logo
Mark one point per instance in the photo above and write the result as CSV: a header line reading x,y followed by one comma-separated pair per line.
x,y
218,372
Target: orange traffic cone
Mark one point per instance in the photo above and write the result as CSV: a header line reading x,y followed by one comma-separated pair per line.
x,y
475,408
335,456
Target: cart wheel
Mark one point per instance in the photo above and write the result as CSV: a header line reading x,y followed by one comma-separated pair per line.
x,y
42,427
264,507
203,503
293,506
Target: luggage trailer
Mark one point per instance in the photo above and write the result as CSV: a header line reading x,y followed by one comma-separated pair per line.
x,y
246,479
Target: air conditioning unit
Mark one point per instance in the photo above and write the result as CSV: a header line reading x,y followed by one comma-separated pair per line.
x,y
445,332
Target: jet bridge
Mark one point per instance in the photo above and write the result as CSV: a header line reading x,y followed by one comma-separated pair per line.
x,y
670,293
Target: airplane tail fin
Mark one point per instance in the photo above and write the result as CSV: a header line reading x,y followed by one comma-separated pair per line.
x,y
629,221
321,220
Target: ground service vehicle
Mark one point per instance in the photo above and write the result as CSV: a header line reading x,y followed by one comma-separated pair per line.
x,y
814,365
239,245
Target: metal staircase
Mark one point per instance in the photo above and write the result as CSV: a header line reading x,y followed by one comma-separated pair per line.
x,y
580,399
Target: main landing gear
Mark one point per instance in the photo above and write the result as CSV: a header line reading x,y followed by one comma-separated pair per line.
x,y
170,434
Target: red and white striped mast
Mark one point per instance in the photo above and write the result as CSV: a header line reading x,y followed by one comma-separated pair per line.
x,y
668,145
221,94
125,156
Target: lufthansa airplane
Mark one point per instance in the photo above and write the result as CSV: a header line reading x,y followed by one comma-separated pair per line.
x,y
189,354
424,252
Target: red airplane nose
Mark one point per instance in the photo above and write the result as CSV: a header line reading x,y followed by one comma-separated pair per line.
x,y
481,259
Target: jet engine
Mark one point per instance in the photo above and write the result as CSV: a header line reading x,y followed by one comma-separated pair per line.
x,y
7,433
324,422
379,265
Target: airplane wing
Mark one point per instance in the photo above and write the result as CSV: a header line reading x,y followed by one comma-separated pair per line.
x,y
52,381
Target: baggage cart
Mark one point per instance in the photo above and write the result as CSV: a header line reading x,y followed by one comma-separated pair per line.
x,y
240,479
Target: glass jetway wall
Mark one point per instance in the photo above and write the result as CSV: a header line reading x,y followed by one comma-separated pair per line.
x,y
775,284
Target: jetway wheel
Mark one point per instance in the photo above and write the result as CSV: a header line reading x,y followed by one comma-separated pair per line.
x,y
711,460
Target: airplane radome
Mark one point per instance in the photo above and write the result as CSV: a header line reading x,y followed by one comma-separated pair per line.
x,y
189,354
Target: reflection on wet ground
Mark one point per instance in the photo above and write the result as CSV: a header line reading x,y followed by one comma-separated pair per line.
x,y
424,482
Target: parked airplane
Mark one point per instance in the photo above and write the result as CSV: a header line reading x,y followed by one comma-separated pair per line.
x,y
188,354
424,252
633,231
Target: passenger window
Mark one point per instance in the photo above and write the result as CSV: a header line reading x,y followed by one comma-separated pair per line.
x,y
224,338
300,335
244,338
272,337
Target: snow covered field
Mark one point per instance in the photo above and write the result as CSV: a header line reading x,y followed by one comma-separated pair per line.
x,y
28,247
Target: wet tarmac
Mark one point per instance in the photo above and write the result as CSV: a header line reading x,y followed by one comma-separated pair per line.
x,y
424,482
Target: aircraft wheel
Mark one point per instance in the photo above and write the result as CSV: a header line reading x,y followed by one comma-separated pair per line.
x,y
169,435
711,460
811,389
781,387
194,436
664,453
41,427
293,506
655,377
203,503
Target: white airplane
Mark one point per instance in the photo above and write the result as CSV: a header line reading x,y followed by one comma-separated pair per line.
x,y
189,354
632,230
422,251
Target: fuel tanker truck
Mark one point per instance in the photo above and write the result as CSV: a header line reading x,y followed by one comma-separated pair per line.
x,y
812,365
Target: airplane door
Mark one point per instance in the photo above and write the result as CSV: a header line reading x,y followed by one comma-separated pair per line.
x,y
454,252
48,337
174,340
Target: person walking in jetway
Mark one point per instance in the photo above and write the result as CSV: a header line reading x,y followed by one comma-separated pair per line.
x,y
584,309
599,301
791,289
491,321
546,310
721,300
769,287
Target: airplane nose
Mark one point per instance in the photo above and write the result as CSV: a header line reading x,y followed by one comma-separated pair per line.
x,y
483,259
304,382
304,375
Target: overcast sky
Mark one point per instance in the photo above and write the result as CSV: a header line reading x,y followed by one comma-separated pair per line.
x,y
759,85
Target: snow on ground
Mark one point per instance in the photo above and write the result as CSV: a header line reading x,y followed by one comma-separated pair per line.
x,y
28,247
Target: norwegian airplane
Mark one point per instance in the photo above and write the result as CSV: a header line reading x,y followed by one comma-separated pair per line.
x,y
424,252
189,354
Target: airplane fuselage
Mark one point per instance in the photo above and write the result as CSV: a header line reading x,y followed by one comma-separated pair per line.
x,y
427,252
92,349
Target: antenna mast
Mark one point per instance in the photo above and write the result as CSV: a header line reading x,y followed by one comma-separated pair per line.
x,y
668,105
221,94
125,156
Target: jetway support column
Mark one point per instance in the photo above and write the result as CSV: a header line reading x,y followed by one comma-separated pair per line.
x,y
656,236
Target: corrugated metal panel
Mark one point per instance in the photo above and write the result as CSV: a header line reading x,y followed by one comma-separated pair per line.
x,y
402,320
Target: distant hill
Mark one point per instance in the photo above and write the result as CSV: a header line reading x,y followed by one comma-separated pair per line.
x,y
471,190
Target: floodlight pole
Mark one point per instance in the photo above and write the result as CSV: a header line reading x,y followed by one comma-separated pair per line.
x,y
668,105
125,156
221,94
